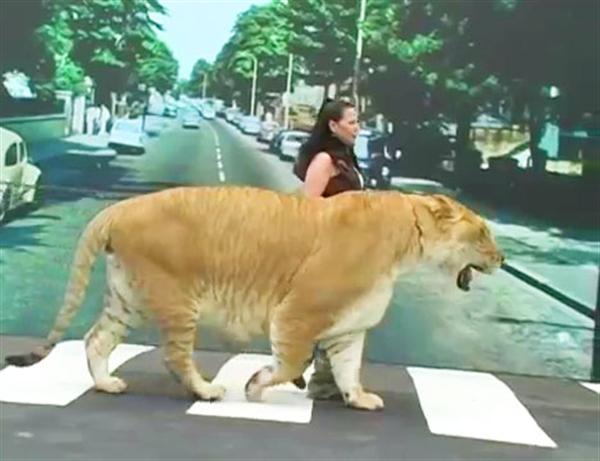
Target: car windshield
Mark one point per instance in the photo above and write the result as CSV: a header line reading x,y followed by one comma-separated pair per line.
x,y
361,147
128,127
297,137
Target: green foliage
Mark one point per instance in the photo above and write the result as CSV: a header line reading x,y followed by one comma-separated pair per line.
x,y
112,41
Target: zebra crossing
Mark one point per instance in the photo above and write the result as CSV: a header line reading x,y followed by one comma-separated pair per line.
x,y
453,403
61,377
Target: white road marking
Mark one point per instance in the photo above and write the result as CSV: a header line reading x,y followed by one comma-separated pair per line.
x,y
284,403
61,377
220,166
215,136
475,405
594,387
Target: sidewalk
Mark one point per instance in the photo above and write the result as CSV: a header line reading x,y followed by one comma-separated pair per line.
x,y
78,144
561,260
90,146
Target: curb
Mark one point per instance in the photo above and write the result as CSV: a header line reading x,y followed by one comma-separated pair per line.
x,y
543,286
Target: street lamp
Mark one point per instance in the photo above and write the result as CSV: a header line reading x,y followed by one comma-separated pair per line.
x,y
254,78
288,91
359,47
142,87
204,86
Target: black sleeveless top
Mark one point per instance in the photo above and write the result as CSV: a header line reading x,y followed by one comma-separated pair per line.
x,y
349,176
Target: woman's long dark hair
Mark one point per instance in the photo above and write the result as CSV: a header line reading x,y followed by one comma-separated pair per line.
x,y
321,138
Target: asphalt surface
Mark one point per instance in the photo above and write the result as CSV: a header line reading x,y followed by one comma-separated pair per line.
x,y
150,422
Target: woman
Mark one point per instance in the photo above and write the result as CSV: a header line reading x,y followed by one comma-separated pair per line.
x,y
326,162
327,166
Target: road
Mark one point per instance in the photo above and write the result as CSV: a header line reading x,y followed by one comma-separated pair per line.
x,y
502,325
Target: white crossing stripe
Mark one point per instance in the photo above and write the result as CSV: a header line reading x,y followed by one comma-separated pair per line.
x,y
594,387
284,403
475,405
61,377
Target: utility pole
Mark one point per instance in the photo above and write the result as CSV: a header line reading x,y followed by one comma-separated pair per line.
x,y
359,47
254,78
288,91
204,86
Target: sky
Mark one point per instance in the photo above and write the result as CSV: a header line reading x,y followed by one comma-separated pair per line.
x,y
196,29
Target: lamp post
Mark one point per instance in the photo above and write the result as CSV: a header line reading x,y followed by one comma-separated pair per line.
x,y
288,91
254,78
144,90
359,47
247,54
204,86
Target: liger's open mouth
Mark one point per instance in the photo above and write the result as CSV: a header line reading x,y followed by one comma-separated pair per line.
x,y
463,280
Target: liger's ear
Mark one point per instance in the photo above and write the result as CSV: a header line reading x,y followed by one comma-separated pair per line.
x,y
444,211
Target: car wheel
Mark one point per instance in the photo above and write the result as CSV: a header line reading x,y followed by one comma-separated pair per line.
x,y
38,195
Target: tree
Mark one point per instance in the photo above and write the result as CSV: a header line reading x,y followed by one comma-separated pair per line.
x,y
557,47
457,57
324,38
57,35
113,41
202,68
263,32
156,66
22,49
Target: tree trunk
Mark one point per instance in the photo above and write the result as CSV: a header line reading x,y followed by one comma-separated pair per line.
x,y
464,161
536,128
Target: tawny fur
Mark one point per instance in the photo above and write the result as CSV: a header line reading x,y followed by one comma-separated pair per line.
x,y
256,262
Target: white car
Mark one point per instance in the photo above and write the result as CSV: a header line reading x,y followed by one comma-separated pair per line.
x,y
290,143
19,179
237,118
127,136
190,120
230,113
250,125
208,112
268,130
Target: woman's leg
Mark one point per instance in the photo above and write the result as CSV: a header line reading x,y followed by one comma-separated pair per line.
x,y
322,384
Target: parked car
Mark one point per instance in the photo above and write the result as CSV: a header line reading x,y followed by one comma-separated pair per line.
x,y
170,111
191,119
374,161
19,179
268,130
290,143
276,141
230,113
250,125
127,136
208,111
237,118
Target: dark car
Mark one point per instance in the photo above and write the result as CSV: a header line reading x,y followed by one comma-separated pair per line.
x,y
373,159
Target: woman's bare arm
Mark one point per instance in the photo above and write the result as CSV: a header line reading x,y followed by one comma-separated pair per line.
x,y
319,172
